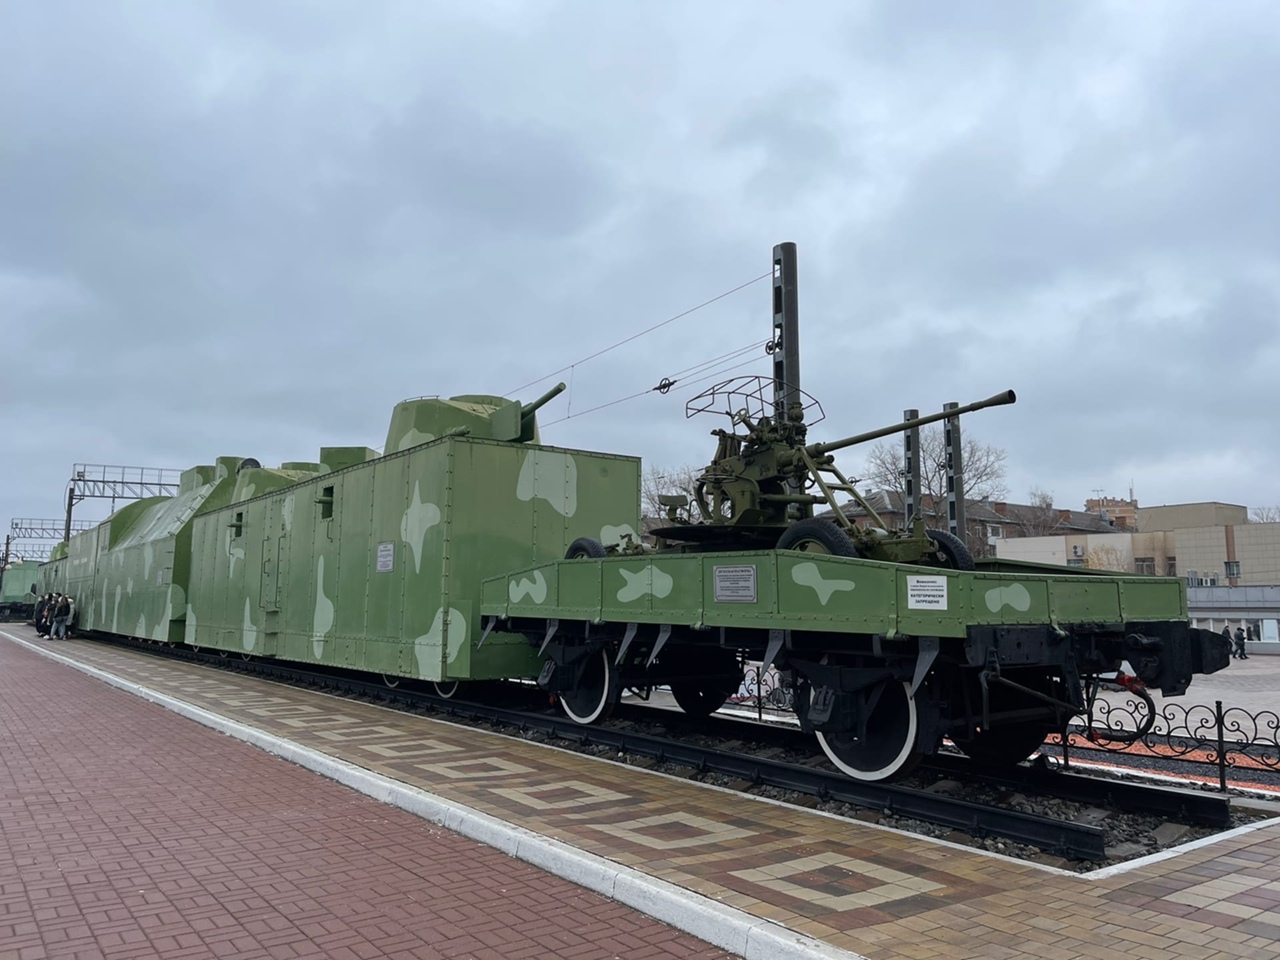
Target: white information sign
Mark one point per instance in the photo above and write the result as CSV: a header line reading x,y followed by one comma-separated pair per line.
x,y
926,593
386,557
735,584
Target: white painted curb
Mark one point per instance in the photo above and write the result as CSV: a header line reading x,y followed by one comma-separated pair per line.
x,y
723,926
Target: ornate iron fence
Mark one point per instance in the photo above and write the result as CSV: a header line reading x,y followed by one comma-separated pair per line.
x,y
769,692
1230,739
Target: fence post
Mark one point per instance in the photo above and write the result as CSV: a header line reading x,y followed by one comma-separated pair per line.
x,y
1222,747
759,694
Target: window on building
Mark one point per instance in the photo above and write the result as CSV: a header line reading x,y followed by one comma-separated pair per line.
x,y
1171,567
1145,565
995,531
1075,562
1232,568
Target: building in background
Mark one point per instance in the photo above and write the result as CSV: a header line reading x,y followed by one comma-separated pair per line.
x,y
1210,544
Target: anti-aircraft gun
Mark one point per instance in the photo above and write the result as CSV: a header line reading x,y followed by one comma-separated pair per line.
x,y
762,485
764,482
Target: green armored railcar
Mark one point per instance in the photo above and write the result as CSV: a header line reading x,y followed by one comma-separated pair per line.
x,y
377,565
17,590
129,573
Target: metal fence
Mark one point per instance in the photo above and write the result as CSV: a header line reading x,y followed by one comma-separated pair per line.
x,y
1230,740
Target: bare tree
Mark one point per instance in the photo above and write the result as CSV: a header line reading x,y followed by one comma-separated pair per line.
x,y
1107,558
1042,519
656,480
983,470
1265,515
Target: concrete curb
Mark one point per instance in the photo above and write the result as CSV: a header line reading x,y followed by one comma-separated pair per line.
x,y
723,926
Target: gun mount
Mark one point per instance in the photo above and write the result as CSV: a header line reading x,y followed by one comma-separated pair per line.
x,y
765,480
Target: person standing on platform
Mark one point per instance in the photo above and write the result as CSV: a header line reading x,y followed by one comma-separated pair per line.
x,y
63,610
1240,644
1226,632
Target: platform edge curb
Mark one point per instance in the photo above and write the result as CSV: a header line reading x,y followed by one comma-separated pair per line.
x,y
723,926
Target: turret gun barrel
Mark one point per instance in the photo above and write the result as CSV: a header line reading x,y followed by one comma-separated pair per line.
x,y
542,401
527,410
820,449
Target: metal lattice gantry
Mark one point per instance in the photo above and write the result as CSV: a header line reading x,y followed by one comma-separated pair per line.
x,y
110,482
26,528
29,550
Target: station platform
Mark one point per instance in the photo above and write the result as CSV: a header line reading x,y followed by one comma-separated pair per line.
x,y
751,876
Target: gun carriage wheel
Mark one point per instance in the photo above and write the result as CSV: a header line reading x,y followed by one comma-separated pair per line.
x,y
952,552
817,536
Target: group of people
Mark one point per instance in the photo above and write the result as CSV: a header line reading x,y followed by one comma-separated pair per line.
x,y
1237,642
54,613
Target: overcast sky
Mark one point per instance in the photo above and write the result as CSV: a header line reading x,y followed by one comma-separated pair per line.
x,y
245,228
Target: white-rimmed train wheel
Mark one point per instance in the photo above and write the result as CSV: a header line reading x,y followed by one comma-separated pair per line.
x,y
889,749
596,693
445,689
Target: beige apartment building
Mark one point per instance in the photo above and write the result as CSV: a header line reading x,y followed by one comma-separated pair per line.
x,y
1210,544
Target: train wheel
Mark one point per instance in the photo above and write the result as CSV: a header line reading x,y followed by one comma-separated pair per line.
x,y
889,749
596,694
1004,746
222,654
716,677
390,681
700,698
446,689
246,656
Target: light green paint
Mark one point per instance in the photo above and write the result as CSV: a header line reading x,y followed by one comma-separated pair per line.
x,y
1015,596
551,476
418,518
640,583
808,575
533,587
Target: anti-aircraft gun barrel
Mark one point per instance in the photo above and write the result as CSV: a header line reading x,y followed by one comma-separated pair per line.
x,y
527,410
820,449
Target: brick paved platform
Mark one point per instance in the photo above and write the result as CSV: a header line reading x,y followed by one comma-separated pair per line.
x,y
130,832
881,894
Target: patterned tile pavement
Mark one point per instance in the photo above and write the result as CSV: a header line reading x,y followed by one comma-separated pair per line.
x,y
872,891
128,832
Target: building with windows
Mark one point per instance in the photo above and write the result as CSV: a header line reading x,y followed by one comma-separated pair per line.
x,y
987,521
1210,544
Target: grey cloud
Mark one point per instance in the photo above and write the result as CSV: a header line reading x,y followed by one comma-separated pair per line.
x,y
252,228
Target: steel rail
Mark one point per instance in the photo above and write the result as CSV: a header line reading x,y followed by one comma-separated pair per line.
x,y
1072,841
1190,806
1178,803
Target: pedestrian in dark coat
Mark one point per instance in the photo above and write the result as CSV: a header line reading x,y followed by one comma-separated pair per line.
x,y
1240,644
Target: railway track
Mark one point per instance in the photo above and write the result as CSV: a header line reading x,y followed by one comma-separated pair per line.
x,y
1070,840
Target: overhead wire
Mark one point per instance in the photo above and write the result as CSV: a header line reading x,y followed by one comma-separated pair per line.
x,y
647,330
665,385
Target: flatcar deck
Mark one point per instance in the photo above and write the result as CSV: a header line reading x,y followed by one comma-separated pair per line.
x,y
860,888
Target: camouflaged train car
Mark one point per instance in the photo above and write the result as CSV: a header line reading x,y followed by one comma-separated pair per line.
x,y
469,550
358,560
